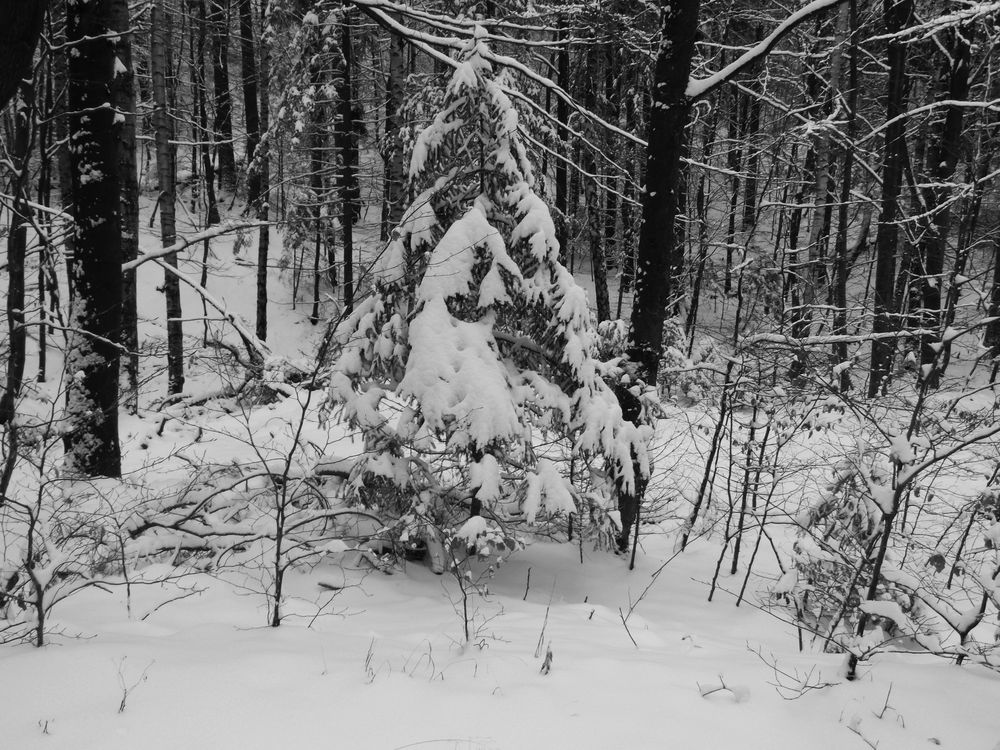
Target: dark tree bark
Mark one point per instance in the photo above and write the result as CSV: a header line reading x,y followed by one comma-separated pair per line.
x,y
346,137
124,102
251,114
842,262
316,150
201,77
166,166
702,200
753,105
218,22
592,199
20,27
611,99
261,168
395,173
92,360
658,263
734,159
205,138
562,180
898,16
942,158
45,283
658,260
992,337
17,245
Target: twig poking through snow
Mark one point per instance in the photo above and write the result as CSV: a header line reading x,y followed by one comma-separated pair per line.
x,y
127,689
740,694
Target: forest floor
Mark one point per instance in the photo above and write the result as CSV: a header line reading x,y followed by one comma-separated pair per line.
x,y
370,658
380,664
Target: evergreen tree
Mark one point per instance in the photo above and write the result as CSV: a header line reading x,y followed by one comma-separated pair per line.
x,y
476,341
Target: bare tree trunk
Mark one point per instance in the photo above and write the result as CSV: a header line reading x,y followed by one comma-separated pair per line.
x,y
598,260
754,105
734,158
316,184
262,169
992,337
346,134
816,277
166,166
395,173
942,159
898,16
17,245
842,264
218,21
124,102
251,114
562,134
701,208
45,199
611,96
657,264
92,360
20,27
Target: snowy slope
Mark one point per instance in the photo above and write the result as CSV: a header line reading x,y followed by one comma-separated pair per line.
x,y
381,667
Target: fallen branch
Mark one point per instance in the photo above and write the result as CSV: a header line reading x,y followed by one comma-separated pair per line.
x,y
184,242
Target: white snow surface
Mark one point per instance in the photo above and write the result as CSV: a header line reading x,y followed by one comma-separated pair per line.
x,y
383,668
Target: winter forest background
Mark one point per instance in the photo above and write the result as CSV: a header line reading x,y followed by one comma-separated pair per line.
x,y
554,375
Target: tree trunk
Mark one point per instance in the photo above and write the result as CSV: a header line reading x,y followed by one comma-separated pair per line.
x,y
842,264
657,257
754,105
346,137
20,27
395,171
898,16
815,281
702,201
166,166
562,133
205,137
124,102
611,98
92,360
45,199
942,158
992,337
262,170
17,245
656,274
251,114
734,158
218,22
591,196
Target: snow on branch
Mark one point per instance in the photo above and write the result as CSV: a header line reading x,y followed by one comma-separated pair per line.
x,y
257,349
972,12
781,339
185,242
700,87
993,106
426,42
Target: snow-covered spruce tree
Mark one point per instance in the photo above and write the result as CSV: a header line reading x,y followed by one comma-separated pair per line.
x,y
476,344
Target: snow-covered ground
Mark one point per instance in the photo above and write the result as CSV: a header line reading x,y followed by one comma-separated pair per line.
x,y
379,664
